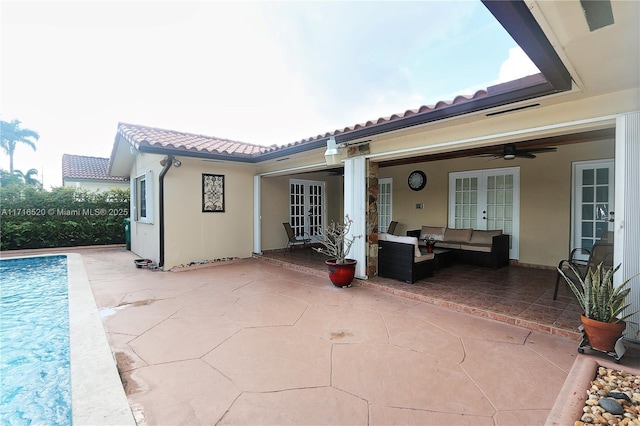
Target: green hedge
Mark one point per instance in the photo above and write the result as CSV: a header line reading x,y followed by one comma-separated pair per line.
x,y
63,217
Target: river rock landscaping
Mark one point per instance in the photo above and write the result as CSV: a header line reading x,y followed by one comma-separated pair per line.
x,y
612,399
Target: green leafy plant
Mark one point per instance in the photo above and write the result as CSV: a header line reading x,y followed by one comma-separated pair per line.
x,y
336,242
31,217
597,296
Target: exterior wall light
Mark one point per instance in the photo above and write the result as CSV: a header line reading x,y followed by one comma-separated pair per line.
x,y
332,155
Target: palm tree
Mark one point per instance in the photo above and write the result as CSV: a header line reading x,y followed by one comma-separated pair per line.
x,y
12,133
29,177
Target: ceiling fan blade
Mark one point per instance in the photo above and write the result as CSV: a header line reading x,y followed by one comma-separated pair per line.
x,y
539,150
525,155
490,156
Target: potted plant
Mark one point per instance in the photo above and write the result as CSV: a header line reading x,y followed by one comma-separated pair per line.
x,y
602,304
430,242
336,243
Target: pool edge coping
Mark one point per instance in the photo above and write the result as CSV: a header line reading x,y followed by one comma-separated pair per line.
x,y
97,394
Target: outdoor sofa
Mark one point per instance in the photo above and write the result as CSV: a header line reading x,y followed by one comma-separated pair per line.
x,y
400,258
469,246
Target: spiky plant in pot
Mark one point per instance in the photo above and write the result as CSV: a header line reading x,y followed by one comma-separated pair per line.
x,y
602,304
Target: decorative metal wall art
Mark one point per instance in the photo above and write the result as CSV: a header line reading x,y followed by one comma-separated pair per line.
x,y
212,193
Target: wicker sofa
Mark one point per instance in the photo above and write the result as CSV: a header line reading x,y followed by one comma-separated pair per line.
x,y
400,258
470,246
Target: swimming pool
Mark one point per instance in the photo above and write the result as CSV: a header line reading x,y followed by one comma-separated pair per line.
x,y
97,395
34,337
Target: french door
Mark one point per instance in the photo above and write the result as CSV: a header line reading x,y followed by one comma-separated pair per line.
x,y
385,203
487,200
593,197
306,207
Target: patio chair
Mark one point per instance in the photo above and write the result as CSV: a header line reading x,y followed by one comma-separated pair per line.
x,y
601,252
392,227
293,239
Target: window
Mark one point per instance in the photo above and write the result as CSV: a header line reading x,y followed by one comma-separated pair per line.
x,y
142,198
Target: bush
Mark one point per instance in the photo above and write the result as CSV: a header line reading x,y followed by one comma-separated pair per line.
x,y
34,218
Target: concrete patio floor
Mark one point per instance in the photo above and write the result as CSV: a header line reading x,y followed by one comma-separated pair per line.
x,y
256,343
247,342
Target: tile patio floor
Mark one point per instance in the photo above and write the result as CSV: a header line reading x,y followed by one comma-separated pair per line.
x,y
253,342
515,295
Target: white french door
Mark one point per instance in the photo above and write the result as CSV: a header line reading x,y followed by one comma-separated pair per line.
x,y
385,203
593,197
306,207
487,200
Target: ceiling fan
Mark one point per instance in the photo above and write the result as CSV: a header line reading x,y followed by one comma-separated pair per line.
x,y
509,152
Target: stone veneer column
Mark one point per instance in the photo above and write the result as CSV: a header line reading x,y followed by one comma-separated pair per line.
x,y
372,218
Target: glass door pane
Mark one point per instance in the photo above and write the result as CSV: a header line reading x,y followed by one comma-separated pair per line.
x,y
593,200
384,204
466,202
306,207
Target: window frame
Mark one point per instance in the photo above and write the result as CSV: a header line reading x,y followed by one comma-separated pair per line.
x,y
137,193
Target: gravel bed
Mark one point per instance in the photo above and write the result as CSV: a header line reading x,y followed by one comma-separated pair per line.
x,y
612,399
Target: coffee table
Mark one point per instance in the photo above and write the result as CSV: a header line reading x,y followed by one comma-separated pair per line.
x,y
443,257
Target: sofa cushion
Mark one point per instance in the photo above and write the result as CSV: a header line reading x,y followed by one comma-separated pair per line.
x,y
436,232
458,235
484,248
484,237
405,240
448,245
424,257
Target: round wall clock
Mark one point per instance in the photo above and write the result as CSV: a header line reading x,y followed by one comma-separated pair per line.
x,y
417,180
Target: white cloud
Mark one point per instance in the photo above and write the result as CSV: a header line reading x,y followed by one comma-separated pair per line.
x,y
516,66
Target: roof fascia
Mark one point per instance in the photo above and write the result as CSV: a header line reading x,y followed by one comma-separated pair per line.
x,y
490,101
451,111
191,154
516,18
249,159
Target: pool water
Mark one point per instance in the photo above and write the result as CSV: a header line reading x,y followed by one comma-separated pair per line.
x,y
35,377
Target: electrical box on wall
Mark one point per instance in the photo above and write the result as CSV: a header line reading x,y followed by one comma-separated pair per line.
x,y
419,205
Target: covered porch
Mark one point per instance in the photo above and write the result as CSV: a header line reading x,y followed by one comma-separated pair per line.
x,y
515,295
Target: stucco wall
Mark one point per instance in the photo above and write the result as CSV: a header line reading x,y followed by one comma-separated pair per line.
x,y
145,236
274,211
545,196
190,234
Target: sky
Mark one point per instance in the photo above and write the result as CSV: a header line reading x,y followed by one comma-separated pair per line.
x,y
263,72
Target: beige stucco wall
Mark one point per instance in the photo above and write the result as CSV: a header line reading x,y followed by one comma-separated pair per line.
x,y
545,196
190,234
145,236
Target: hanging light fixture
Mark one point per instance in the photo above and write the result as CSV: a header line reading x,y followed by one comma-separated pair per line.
x,y
332,155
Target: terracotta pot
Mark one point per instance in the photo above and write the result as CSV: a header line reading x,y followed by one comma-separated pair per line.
x,y
602,335
341,274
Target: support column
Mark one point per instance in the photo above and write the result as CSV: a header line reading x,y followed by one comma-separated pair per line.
x,y
627,206
257,218
372,218
355,196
